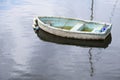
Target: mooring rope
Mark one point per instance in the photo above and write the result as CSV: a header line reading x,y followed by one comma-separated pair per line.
x,y
113,11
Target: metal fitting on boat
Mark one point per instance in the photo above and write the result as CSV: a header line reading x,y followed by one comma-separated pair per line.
x,y
35,22
36,28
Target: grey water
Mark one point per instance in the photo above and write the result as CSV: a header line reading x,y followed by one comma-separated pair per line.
x,y
24,56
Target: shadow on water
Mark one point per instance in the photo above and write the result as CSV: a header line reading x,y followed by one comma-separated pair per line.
x,y
69,41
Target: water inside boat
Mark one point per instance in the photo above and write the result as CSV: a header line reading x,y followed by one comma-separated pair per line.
x,y
72,24
65,27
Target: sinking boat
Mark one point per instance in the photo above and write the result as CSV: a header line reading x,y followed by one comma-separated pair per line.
x,y
73,28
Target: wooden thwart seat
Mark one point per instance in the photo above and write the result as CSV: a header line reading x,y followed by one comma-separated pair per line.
x,y
77,26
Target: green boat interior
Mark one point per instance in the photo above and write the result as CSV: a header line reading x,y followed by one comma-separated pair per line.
x,y
73,24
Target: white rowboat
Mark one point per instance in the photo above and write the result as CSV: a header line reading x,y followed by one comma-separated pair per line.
x,y
73,28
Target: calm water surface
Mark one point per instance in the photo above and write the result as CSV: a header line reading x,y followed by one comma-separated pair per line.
x,y
24,56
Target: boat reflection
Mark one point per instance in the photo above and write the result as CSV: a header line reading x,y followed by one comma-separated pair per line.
x,y
69,41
